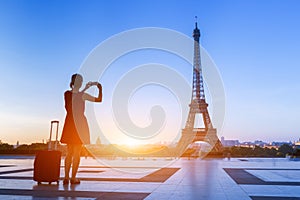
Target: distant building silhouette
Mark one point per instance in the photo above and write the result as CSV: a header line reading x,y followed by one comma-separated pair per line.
x,y
229,143
98,141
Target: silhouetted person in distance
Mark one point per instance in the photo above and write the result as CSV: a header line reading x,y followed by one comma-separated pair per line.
x,y
76,130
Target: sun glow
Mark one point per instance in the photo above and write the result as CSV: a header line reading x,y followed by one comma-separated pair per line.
x,y
132,146
131,143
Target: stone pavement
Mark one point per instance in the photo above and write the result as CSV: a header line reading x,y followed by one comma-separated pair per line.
x,y
257,179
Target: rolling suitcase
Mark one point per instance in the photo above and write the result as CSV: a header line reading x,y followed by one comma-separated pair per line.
x,y
47,162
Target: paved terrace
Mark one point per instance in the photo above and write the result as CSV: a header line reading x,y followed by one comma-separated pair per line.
x,y
257,179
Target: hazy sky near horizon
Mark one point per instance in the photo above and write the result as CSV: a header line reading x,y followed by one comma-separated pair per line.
x,y
255,45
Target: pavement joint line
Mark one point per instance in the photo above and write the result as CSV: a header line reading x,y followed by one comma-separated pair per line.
x,y
7,165
279,169
159,176
73,193
16,171
121,167
273,198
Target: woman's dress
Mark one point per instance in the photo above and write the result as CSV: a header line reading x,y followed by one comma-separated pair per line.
x,y
76,129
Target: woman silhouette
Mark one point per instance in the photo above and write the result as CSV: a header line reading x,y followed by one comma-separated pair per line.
x,y
76,130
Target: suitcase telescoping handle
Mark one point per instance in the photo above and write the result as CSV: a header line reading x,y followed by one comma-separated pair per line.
x,y
56,137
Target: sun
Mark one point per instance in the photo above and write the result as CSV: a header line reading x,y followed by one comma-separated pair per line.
x,y
131,143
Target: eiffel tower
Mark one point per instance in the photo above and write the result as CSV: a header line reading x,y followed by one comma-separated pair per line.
x,y
198,106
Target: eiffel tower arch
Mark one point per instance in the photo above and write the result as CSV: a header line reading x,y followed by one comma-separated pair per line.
x,y
198,106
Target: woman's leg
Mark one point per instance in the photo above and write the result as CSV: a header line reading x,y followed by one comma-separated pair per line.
x,y
76,160
68,160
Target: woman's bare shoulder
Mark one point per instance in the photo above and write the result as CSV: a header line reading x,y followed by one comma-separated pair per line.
x,y
68,92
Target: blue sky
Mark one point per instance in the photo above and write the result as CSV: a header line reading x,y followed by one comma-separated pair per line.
x,y
255,45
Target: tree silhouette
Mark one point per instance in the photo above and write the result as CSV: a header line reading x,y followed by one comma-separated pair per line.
x,y
285,149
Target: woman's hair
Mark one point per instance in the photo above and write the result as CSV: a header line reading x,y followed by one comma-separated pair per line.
x,y
75,78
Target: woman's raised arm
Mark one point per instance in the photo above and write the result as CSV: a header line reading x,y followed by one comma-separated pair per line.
x,y
91,98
